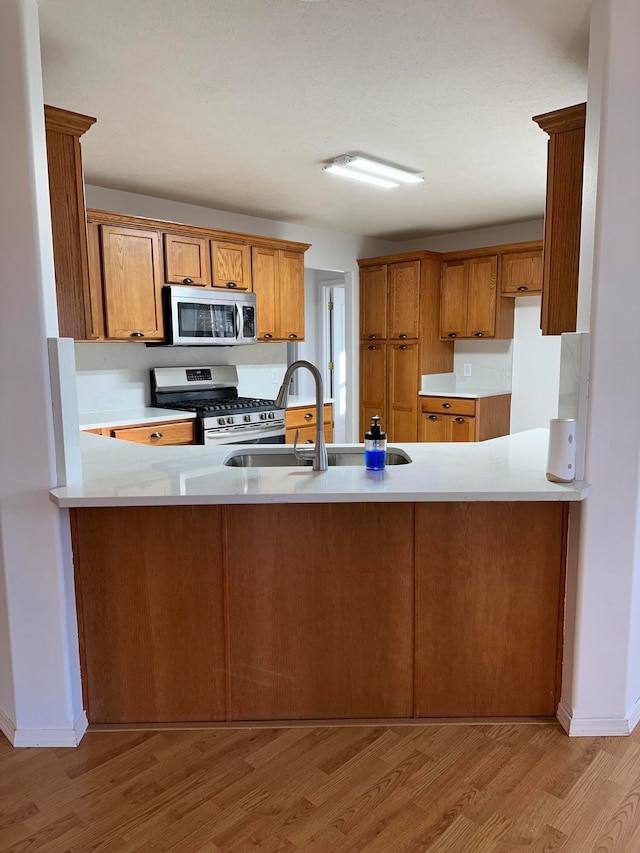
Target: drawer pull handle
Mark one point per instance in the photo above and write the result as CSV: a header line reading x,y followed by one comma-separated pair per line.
x,y
308,417
433,417
231,284
523,287
459,420
404,346
403,337
478,334
446,405
136,335
292,336
156,435
309,441
372,346
452,335
373,337
187,281
267,336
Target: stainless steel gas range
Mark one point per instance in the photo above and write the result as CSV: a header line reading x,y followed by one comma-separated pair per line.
x,y
222,416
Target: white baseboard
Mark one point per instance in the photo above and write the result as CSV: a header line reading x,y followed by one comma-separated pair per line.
x,y
7,726
52,737
598,726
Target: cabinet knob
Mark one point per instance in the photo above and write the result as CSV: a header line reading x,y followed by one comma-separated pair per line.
x,y
478,334
446,405
309,441
373,337
136,335
292,336
402,337
404,346
452,335
433,417
308,416
155,435
523,287
459,420
231,284
187,281
372,346
267,335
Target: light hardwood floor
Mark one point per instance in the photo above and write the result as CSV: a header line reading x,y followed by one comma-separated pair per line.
x,y
460,789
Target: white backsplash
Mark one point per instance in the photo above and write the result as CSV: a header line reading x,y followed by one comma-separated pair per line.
x,y
491,365
116,376
574,389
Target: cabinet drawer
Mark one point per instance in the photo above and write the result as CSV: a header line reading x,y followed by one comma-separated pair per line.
x,y
306,416
172,433
449,405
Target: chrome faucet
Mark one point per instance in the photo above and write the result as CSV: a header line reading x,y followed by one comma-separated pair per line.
x,y
320,462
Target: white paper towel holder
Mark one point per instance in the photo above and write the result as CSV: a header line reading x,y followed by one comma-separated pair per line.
x,y
561,459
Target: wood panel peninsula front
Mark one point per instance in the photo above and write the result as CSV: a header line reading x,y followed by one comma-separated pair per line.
x,y
208,593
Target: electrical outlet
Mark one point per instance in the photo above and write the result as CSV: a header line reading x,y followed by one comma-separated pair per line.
x,y
467,369
274,376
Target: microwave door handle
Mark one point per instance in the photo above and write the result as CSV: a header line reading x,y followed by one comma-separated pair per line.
x,y
238,328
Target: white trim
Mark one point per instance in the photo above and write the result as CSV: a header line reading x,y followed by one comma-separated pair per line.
x,y
598,726
52,737
7,726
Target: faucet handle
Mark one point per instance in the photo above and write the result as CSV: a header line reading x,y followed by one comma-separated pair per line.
x,y
301,455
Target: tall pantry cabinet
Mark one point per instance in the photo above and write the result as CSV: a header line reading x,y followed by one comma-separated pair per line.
x,y
399,339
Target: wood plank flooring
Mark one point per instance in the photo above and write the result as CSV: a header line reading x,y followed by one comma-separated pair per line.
x,y
361,789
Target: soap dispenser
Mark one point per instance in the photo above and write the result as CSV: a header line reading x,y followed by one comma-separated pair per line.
x,y
375,446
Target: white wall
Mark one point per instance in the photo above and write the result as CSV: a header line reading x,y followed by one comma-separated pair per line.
x,y
40,701
516,232
601,687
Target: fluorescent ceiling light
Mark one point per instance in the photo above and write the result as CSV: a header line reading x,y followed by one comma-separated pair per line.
x,y
364,169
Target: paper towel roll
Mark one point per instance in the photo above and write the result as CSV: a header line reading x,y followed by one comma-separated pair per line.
x,y
561,460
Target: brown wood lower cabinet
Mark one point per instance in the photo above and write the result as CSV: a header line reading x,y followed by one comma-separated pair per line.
x,y
320,611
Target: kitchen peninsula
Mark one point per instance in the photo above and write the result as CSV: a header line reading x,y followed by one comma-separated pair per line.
x,y
212,593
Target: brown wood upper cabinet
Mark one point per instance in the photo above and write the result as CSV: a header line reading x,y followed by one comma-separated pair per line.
x,y
186,260
231,264
470,306
278,282
563,211
373,302
132,282
404,300
521,273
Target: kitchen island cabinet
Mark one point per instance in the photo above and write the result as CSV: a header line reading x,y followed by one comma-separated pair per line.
x,y
430,589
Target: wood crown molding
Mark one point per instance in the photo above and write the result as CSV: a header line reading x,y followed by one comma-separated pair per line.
x,y
106,217
504,248
64,121
559,121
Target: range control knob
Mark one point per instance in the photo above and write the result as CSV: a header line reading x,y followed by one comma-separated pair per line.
x,y
230,420
272,416
246,419
263,416
221,420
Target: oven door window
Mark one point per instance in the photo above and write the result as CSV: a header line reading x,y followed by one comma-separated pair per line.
x,y
203,320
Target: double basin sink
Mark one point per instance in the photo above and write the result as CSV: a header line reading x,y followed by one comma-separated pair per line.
x,y
285,458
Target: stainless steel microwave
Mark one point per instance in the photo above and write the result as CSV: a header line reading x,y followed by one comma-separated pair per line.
x,y
194,316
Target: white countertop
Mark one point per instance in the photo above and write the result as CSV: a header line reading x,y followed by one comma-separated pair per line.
x,y
128,417
465,395
122,473
295,400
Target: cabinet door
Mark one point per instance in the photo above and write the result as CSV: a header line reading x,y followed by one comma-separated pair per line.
x,y
186,260
434,427
231,265
402,392
161,434
481,306
306,435
264,267
461,428
290,296
453,300
132,280
521,273
404,299
373,302
373,384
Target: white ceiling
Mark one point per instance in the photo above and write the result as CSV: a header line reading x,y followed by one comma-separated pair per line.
x,y
236,104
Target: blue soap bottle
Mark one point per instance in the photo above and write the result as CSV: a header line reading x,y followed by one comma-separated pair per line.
x,y
375,446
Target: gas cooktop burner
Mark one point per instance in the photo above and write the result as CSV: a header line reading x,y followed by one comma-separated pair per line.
x,y
220,405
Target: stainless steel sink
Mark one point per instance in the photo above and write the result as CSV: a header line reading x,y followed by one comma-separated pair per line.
x,y
285,458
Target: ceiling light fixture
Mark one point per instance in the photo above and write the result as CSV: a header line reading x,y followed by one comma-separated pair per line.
x,y
371,171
